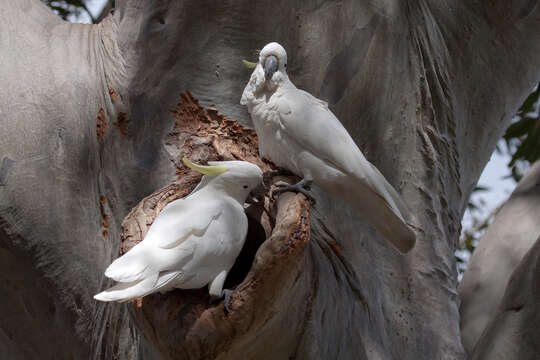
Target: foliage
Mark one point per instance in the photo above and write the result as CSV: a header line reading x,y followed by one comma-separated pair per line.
x,y
521,141
65,8
523,136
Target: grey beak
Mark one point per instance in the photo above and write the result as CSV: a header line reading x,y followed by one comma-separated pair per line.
x,y
270,66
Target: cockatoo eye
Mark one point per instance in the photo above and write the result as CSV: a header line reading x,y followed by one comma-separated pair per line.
x,y
245,186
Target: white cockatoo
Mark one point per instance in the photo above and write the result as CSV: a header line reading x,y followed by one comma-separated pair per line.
x,y
300,134
194,241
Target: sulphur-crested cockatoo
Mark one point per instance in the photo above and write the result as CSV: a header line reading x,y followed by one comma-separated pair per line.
x,y
300,134
194,241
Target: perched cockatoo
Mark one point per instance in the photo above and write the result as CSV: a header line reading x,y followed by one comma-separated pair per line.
x,y
300,134
194,241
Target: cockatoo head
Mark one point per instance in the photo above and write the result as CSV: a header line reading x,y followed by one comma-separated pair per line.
x,y
268,73
273,59
237,178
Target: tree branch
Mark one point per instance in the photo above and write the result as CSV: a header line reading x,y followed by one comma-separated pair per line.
x,y
512,332
497,255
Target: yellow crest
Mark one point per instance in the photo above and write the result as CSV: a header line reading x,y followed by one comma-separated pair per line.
x,y
249,64
210,170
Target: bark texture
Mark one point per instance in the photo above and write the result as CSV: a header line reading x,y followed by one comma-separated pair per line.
x,y
424,88
502,248
512,333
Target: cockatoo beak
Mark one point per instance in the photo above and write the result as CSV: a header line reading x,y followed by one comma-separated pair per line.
x,y
209,170
270,66
256,195
249,64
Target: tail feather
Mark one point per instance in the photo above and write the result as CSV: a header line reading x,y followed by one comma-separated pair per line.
x,y
391,196
130,267
136,289
388,217
392,227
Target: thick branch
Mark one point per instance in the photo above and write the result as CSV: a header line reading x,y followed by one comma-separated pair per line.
x,y
501,249
512,332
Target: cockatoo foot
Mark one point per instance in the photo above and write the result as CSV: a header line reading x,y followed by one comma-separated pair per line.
x,y
227,296
303,186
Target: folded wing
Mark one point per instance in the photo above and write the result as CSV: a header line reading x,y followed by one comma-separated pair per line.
x,y
175,223
308,121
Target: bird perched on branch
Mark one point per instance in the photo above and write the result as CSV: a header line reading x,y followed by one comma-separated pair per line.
x,y
300,134
194,241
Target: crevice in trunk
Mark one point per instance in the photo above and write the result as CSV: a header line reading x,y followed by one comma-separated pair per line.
x,y
254,239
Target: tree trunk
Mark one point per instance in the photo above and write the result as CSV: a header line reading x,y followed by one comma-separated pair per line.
x,y
424,89
498,254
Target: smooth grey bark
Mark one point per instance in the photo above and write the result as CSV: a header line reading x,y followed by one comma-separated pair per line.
x,y
499,252
512,332
425,89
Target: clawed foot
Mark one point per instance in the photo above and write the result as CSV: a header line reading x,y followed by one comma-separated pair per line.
x,y
227,297
303,186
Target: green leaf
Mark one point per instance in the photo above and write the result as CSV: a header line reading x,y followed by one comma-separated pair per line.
x,y
528,104
480,188
520,128
527,150
472,206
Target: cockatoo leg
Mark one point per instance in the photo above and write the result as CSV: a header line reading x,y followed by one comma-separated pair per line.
x,y
217,292
277,172
303,186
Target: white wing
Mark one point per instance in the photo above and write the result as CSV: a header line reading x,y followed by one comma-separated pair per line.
x,y
175,223
182,218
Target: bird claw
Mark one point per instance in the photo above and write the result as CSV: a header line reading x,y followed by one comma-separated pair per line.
x,y
302,187
227,297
